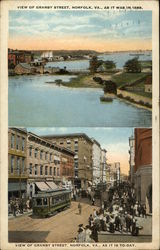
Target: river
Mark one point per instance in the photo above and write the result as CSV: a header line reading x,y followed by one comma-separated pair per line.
x,y
119,58
35,103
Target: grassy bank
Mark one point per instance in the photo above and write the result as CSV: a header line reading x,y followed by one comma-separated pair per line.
x,y
86,81
126,78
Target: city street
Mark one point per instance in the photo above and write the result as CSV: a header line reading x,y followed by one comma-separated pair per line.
x,y
62,227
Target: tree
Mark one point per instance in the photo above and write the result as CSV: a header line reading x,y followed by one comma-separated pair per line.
x,y
133,66
94,64
109,65
110,87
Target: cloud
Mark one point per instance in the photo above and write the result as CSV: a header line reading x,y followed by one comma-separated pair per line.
x,y
112,24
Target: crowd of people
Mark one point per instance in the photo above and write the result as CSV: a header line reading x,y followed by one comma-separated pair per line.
x,y
19,206
119,214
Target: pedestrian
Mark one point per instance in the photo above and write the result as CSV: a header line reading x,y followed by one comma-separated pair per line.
x,y
90,220
14,208
88,233
93,201
111,225
81,235
80,208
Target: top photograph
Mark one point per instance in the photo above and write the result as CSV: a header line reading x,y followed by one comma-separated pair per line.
x,y
73,68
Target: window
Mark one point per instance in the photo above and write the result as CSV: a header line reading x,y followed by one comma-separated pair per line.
x,y
46,156
17,142
23,144
30,168
50,171
57,171
44,201
18,165
12,164
61,143
35,152
41,170
41,154
68,142
22,165
54,170
30,151
46,170
36,169
12,140
50,157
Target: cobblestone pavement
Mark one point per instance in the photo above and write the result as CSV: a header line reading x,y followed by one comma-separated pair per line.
x,y
59,228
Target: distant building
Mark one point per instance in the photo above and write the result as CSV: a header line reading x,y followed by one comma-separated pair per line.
x,y
24,68
103,165
96,158
148,84
47,55
17,171
131,159
17,56
81,145
143,166
113,173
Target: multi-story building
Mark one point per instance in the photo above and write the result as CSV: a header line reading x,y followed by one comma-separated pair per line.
x,y
143,166
81,144
96,159
113,173
47,164
131,159
103,165
16,56
17,171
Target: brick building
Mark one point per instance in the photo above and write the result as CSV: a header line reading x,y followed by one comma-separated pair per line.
x,y
17,56
143,166
47,163
17,171
81,145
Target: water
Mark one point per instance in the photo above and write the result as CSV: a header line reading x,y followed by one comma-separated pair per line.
x,y
33,102
119,58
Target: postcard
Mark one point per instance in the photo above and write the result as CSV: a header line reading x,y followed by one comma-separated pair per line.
x,y
79,125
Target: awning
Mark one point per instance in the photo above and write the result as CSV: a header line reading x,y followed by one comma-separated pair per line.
x,y
42,186
15,186
51,184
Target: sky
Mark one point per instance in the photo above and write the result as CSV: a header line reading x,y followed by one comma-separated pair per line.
x,y
114,140
95,30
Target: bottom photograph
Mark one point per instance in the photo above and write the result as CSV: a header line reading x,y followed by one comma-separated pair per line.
x,y
75,185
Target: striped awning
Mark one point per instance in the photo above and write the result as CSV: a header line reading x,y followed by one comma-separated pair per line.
x,y
42,186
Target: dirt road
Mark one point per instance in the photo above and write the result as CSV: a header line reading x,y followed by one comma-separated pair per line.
x,y
59,228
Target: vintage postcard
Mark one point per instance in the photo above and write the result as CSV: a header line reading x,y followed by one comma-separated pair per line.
x,y
80,125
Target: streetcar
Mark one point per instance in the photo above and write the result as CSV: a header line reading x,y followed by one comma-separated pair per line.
x,y
49,202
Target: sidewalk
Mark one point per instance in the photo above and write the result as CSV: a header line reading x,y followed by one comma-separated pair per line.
x,y
11,216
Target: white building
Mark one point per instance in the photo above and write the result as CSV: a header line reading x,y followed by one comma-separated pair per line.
x,y
131,158
103,165
47,54
114,173
96,160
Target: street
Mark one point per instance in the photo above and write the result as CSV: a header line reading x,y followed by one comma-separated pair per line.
x,y
63,227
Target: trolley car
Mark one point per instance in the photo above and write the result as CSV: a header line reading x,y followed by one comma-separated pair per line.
x,y
47,203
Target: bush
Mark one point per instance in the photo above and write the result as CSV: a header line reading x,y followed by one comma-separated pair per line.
x,y
141,102
120,95
98,80
148,105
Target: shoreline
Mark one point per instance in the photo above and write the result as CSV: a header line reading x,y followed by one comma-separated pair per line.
x,y
86,81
